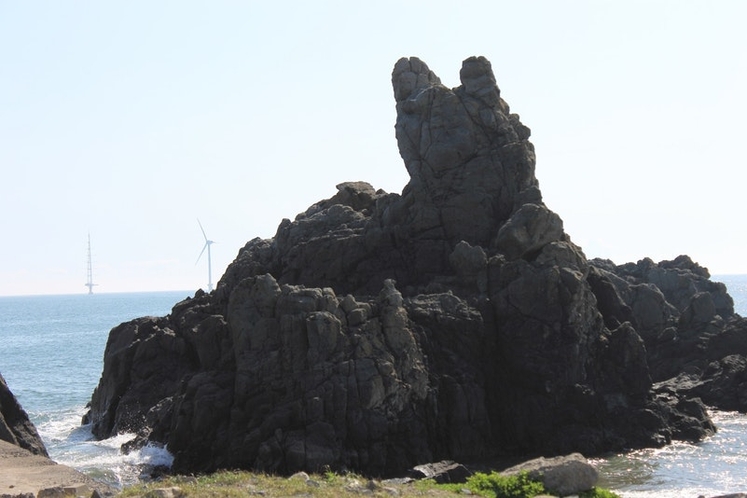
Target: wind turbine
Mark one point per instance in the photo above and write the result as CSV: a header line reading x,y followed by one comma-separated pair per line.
x,y
208,242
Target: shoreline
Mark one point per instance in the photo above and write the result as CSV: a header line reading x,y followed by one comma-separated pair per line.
x,y
22,472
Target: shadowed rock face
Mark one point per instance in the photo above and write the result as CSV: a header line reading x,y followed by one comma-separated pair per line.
x,y
456,321
15,426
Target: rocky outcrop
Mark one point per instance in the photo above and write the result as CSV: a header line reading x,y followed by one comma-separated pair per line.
x,y
696,345
456,321
15,426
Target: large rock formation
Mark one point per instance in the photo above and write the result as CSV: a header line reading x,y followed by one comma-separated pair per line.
x,y
455,321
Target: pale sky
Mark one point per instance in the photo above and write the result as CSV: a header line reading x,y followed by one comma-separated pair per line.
x,y
130,120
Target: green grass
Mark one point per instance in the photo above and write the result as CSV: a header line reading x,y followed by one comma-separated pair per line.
x,y
495,485
230,484
599,493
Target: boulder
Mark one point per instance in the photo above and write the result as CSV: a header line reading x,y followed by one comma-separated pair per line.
x,y
455,321
562,475
528,230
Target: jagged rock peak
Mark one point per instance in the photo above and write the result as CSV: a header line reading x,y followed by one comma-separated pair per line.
x,y
470,161
411,75
472,180
478,80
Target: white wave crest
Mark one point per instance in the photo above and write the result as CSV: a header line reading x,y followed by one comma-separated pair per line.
x,y
72,444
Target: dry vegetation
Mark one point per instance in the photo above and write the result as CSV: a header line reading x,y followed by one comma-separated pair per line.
x,y
243,484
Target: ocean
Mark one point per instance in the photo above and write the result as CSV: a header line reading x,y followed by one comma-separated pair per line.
x,y
52,358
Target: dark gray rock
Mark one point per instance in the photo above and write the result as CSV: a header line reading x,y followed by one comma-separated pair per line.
x,y
468,157
138,352
723,383
456,321
695,343
527,231
15,426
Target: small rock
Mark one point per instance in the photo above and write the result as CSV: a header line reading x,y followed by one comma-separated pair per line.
x,y
55,492
172,492
253,490
442,472
300,475
397,481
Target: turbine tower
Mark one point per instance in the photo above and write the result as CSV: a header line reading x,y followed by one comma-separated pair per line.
x,y
89,279
206,246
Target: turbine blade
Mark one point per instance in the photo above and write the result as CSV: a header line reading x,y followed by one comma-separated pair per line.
x,y
203,250
202,229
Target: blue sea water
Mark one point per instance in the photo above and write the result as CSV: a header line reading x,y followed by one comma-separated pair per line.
x,y
51,355
714,467
737,287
